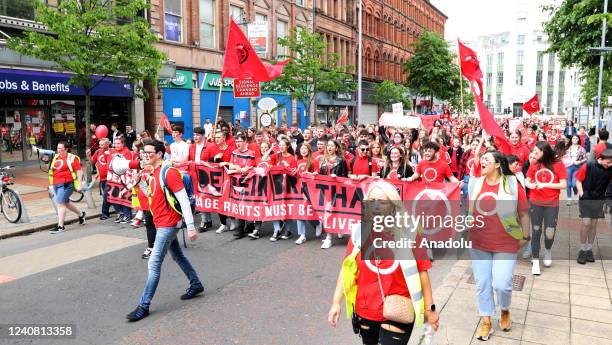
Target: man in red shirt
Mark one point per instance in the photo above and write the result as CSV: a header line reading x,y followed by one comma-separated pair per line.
x,y
100,159
362,165
124,212
199,154
601,145
431,168
168,222
221,152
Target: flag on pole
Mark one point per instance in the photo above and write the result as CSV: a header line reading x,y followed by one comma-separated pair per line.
x,y
343,117
488,123
470,66
532,105
163,122
241,60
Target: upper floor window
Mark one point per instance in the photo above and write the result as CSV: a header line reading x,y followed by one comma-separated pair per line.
x,y
207,23
519,57
23,9
520,40
173,20
281,32
500,59
299,3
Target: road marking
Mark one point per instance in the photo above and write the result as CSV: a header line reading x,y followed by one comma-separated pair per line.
x,y
46,258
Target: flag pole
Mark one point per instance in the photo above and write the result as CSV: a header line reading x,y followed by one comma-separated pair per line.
x,y
460,78
218,106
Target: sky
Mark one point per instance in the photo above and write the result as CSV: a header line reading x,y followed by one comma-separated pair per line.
x,y
468,19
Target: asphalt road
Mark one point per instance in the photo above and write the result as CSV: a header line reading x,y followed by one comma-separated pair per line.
x,y
257,292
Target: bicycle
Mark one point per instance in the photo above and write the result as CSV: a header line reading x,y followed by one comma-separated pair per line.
x,y
10,204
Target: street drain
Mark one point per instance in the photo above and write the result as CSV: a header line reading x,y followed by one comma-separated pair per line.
x,y
518,281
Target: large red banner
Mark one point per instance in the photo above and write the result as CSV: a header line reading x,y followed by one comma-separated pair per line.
x,y
280,194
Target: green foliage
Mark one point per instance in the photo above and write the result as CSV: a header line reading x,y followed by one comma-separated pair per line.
x,y
388,92
468,97
86,40
430,70
589,87
311,69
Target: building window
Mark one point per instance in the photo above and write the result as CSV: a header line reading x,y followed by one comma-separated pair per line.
x,y
520,40
498,103
281,32
549,100
299,3
561,78
500,78
52,3
551,61
489,59
207,23
519,57
539,78
540,58
560,103
172,20
519,77
551,78
500,59
23,9
489,78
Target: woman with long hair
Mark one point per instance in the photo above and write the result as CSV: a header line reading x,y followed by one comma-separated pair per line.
x,y
285,158
306,164
332,164
499,229
574,158
396,166
376,153
366,282
546,178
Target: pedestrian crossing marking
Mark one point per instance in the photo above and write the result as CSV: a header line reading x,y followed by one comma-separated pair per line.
x,y
42,259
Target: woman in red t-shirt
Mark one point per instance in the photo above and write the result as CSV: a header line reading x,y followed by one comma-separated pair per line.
x,y
546,178
379,275
493,249
307,164
376,154
65,176
285,158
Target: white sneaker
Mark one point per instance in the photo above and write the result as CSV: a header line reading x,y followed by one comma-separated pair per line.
x,y
535,267
527,252
275,236
326,244
547,258
340,236
301,239
221,229
319,229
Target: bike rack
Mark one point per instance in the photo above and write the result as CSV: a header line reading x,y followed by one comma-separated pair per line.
x,y
25,218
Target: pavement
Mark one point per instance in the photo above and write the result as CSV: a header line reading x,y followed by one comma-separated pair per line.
x,y
259,292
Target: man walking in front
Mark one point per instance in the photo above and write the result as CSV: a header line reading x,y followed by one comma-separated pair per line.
x,y
164,199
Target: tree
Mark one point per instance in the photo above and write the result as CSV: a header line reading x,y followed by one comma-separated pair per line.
x,y
430,70
589,86
95,40
573,28
455,99
388,92
311,69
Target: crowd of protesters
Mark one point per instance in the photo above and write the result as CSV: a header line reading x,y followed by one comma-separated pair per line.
x,y
546,158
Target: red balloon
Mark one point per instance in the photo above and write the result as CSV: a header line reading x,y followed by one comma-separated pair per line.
x,y
101,131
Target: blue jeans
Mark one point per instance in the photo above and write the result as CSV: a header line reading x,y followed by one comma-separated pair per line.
x,y
166,239
105,203
301,225
493,271
571,178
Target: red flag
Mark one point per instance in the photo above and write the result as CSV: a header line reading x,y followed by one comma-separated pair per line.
x,y
488,123
344,117
163,122
470,66
241,60
532,105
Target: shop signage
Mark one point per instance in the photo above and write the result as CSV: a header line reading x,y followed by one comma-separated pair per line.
x,y
246,88
258,36
343,96
47,83
265,119
182,80
211,82
267,104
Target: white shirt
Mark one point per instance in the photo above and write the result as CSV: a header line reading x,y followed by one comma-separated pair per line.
x,y
198,152
208,127
179,151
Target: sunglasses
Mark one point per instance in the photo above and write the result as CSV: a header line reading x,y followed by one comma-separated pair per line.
x,y
363,149
148,153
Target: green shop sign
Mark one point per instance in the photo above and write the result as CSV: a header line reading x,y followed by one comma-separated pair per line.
x,y
182,80
211,82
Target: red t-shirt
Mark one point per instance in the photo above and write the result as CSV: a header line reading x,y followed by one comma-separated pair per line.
x,y
163,214
521,151
581,173
101,160
361,166
301,165
269,163
380,163
582,140
531,140
243,158
490,236
433,171
227,152
125,152
288,161
552,140
453,162
142,198
318,154
539,173
598,149
369,301
443,155
61,171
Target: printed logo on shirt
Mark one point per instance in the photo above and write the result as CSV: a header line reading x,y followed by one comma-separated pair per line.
x,y
102,159
58,164
152,185
490,200
436,204
428,173
544,176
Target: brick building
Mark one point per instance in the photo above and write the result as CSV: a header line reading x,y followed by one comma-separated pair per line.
x,y
192,33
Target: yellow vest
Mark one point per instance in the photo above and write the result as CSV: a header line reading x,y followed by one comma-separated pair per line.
x,y
409,270
70,159
506,203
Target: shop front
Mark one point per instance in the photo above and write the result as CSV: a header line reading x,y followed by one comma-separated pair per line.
x,y
330,106
232,109
41,108
177,101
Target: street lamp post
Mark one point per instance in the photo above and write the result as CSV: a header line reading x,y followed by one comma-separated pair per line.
x,y
601,64
359,56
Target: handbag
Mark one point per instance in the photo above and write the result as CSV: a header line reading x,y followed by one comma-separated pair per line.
x,y
396,308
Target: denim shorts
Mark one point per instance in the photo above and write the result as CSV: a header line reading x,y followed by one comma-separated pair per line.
x,y
63,192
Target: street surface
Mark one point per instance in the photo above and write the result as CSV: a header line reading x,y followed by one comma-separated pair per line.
x,y
257,292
